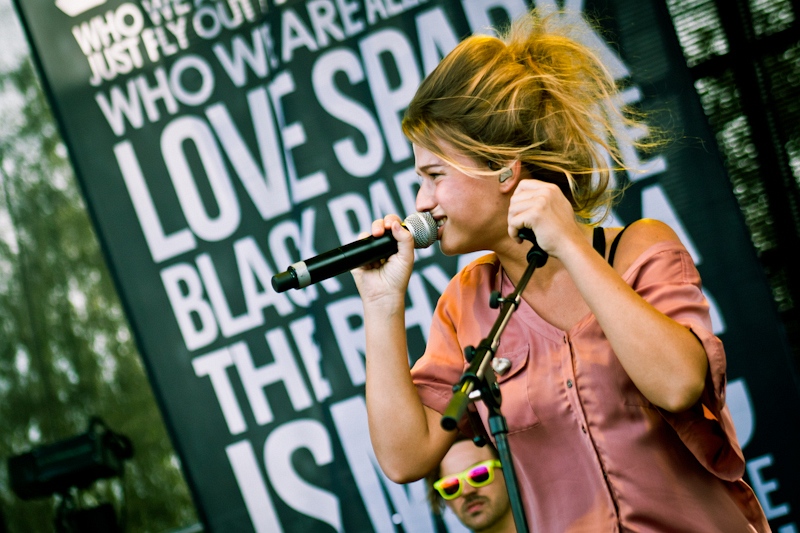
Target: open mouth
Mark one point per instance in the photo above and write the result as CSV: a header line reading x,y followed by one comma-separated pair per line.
x,y
440,224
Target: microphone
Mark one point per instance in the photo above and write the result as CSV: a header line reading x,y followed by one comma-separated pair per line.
x,y
345,258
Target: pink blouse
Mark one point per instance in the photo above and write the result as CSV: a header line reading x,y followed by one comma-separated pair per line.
x,y
591,453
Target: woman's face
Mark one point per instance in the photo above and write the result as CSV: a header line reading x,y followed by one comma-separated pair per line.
x,y
471,211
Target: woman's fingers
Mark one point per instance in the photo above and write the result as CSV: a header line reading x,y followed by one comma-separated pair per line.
x,y
544,209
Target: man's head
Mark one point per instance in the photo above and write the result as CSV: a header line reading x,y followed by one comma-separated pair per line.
x,y
485,508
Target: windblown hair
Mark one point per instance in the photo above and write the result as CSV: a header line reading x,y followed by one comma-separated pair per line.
x,y
534,94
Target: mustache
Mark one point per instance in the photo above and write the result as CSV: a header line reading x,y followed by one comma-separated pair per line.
x,y
472,498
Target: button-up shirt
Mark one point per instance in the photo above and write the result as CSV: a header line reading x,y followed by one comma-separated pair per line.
x,y
590,452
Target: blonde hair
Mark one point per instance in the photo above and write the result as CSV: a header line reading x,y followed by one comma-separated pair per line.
x,y
534,94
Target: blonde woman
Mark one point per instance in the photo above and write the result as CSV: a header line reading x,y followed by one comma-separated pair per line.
x,y
615,395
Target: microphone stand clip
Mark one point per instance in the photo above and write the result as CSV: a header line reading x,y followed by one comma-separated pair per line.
x,y
478,382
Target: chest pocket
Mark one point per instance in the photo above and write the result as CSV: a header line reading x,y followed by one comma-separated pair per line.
x,y
516,405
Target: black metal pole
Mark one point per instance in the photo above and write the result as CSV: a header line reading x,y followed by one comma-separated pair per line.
x,y
499,429
478,382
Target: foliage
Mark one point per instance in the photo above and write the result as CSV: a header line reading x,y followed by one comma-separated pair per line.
x,y
66,351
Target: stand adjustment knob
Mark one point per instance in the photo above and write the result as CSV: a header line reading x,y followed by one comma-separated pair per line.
x,y
495,299
469,353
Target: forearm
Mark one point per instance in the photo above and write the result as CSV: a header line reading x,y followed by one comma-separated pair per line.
x,y
407,441
662,357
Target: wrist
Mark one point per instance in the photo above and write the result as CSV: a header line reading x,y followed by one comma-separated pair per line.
x,y
385,305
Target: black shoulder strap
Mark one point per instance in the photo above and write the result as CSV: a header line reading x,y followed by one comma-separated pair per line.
x,y
614,244
599,241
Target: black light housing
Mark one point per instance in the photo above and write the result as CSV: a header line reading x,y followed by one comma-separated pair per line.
x,y
77,462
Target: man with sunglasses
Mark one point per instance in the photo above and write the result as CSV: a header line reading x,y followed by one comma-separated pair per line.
x,y
470,482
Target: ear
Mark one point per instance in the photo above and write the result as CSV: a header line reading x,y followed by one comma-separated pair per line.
x,y
510,175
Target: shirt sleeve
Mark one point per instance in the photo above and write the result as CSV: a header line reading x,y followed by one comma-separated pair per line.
x,y
443,363
670,282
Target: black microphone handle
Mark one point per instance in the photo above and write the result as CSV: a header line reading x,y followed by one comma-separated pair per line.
x,y
336,261
422,227
346,258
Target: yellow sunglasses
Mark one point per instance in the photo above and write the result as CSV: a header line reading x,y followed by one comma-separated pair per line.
x,y
479,475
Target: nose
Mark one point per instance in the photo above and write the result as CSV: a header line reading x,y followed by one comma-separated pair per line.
x,y
468,489
425,201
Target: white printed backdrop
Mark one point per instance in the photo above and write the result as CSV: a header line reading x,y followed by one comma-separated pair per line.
x,y
218,141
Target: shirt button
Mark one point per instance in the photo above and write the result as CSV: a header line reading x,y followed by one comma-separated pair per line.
x,y
569,383
583,428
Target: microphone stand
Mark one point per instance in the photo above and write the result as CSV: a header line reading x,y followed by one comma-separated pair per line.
x,y
479,382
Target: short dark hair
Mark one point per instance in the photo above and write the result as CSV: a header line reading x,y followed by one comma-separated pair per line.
x,y
434,498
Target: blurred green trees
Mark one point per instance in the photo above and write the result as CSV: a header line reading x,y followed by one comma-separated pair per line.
x,y
66,351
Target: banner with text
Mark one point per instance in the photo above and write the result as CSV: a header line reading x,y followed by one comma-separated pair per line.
x,y
217,142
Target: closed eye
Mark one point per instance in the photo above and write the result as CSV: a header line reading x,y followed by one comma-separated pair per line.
x,y
429,177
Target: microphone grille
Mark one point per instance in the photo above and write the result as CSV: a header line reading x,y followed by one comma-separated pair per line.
x,y
423,227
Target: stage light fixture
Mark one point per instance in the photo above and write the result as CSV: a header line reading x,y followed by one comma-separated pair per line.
x,y
76,462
